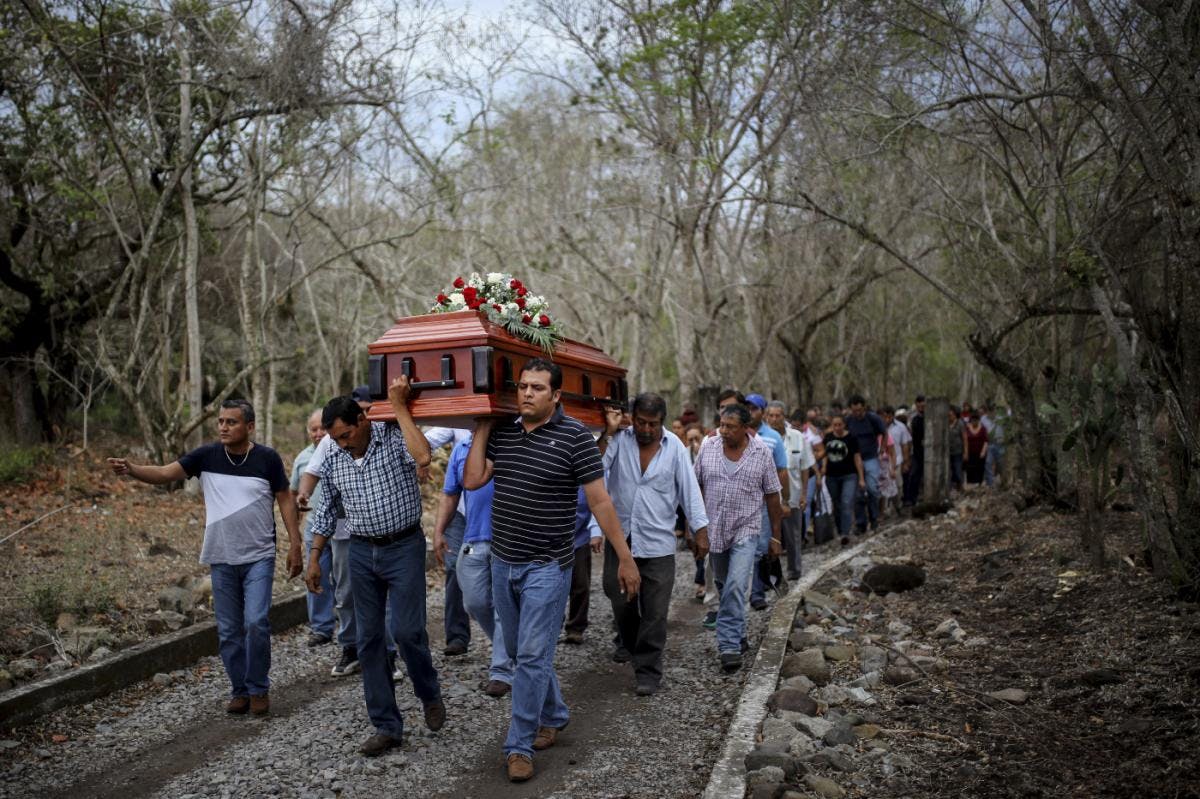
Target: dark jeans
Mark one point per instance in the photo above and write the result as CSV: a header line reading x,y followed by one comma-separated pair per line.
x,y
458,623
912,481
581,590
391,577
642,623
956,471
699,580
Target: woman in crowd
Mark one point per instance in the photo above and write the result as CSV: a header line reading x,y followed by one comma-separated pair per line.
x,y
843,472
956,449
975,443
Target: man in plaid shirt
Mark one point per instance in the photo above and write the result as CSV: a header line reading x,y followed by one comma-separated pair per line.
x,y
736,472
372,470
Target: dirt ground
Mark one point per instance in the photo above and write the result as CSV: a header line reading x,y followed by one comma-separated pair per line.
x,y
1109,661
110,547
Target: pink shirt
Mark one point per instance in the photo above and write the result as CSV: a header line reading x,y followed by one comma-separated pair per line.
x,y
733,495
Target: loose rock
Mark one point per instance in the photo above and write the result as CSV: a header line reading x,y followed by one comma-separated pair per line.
x,y
824,786
793,700
1014,696
809,663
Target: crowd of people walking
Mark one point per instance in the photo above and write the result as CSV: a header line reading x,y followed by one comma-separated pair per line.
x,y
525,505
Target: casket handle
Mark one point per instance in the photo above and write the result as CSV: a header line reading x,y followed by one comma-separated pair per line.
x,y
407,369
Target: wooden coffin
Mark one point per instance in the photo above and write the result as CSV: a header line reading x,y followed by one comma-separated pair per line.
x,y
463,366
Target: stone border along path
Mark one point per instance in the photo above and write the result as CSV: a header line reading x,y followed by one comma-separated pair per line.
x,y
728,777
177,650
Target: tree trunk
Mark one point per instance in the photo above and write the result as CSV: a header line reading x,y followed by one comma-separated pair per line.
x,y
194,381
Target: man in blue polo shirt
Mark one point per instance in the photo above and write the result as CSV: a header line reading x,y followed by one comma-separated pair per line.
x,y
474,556
757,405
867,428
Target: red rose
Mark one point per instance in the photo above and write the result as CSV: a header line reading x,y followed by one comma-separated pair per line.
x,y
443,299
521,292
459,283
526,319
469,294
520,301
544,320
515,284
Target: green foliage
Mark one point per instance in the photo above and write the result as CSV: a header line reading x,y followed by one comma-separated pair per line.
x,y
74,590
20,464
46,600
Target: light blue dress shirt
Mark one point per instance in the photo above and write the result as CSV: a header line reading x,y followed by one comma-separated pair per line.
x,y
646,503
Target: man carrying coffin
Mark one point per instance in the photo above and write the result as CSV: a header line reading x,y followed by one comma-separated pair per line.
x,y
372,469
539,460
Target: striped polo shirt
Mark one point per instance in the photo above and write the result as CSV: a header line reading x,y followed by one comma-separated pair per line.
x,y
537,477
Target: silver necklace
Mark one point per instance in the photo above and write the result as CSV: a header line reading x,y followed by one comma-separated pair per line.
x,y
244,457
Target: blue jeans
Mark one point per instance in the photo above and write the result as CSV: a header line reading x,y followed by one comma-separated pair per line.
x,y
382,577
758,588
454,615
320,606
343,597
867,502
992,463
475,580
842,491
731,574
530,600
241,600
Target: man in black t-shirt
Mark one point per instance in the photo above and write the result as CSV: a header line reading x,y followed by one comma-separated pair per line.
x,y
539,461
240,479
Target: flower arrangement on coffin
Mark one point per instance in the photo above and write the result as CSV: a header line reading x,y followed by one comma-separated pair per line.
x,y
504,301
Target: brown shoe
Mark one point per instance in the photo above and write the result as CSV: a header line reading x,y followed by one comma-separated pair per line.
x,y
260,705
238,705
546,736
520,768
573,637
497,688
377,744
435,715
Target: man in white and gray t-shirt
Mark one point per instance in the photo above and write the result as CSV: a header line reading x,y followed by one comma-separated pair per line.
x,y
241,481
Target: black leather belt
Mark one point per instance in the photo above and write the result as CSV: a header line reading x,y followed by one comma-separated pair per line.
x,y
391,538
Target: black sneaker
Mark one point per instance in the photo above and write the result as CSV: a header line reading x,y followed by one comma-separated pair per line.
x,y
621,655
646,688
710,620
454,649
731,662
318,639
347,665
758,604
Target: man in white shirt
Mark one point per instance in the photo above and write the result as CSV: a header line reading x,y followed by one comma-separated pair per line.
x,y
800,464
901,442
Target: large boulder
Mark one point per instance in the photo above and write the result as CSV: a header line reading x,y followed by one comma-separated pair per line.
x,y
893,578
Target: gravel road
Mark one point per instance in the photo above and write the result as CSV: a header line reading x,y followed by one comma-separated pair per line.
x,y
171,738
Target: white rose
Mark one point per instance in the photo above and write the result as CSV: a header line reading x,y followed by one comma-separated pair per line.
x,y
495,277
511,307
457,299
